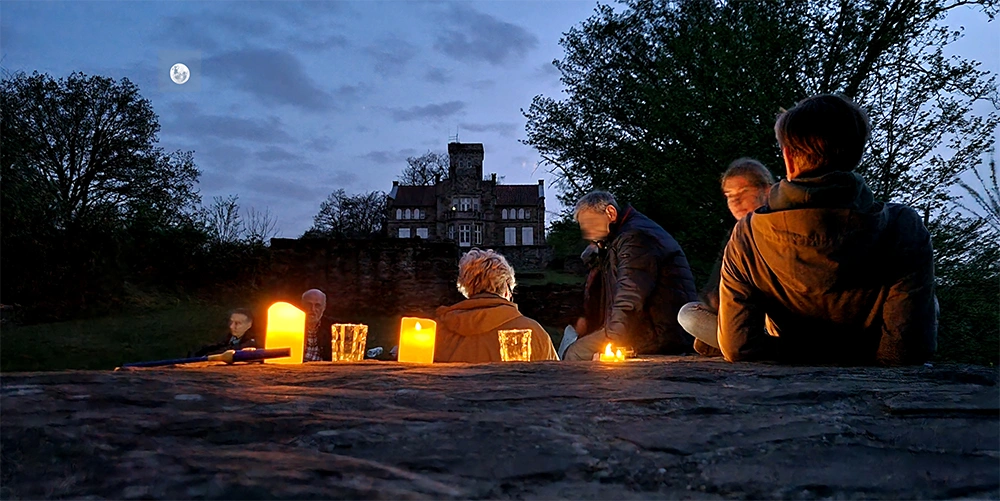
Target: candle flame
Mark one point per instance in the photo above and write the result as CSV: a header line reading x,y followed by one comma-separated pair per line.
x,y
607,350
618,355
417,327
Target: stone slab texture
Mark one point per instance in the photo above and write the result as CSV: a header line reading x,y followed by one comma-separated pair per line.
x,y
660,427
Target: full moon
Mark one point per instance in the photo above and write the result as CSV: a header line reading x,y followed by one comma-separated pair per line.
x,y
179,73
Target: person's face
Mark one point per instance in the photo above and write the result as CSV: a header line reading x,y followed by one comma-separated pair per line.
x,y
742,196
314,306
596,225
239,324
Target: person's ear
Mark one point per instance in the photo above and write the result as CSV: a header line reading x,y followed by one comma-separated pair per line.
x,y
791,168
612,213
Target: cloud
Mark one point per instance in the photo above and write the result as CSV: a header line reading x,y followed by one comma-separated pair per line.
x,y
548,70
320,144
284,188
274,76
187,32
389,157
391,55
470,35
319,44
430,111
437,75
481,84
277,154
185,120
507,129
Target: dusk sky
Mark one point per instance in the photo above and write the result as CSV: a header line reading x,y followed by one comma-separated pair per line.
x,y
289,101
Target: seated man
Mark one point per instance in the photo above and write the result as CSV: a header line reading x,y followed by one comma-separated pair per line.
x,y
467,331
239,337
745,185
318,336
823,273
645,277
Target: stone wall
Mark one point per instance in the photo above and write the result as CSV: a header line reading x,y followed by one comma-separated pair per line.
x,y
389,277
367,277
527,257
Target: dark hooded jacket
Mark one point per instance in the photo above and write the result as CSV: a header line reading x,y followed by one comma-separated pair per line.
x,y
824,273
646,281
467,331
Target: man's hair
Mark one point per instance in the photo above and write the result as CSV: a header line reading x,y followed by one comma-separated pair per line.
x,y
311,292
824,133
751,170
484,271
242,311
595,201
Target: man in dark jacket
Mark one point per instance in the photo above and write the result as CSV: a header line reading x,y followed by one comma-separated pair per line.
x,y
823,273
645,276
240,335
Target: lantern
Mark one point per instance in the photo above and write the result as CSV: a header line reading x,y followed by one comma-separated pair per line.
x,y
286,327
416,340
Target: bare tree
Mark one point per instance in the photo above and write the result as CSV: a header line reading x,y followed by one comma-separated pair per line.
x,y
425,170
259,226
222,220
349,216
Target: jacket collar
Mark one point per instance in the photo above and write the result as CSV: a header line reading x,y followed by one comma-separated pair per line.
x,y
833,190
616,227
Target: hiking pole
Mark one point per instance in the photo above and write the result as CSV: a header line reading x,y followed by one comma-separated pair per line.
x,y
228,357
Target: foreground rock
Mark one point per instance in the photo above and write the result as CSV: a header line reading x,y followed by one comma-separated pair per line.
x,y
664,427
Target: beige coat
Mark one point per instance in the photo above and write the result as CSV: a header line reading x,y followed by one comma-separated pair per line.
x,y
467,331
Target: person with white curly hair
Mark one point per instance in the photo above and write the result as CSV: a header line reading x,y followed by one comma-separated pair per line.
x,y
467,331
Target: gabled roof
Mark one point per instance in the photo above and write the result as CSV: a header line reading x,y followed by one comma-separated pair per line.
x,y
415,196
517,194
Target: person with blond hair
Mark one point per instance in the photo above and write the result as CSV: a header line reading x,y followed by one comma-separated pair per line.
x,y
467,331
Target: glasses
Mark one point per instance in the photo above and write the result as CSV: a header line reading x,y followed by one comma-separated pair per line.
x,y
515,345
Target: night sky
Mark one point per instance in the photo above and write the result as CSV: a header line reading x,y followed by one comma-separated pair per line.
x,y
289,101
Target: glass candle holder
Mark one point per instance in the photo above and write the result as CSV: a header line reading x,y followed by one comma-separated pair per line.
x,y
348,342
515,345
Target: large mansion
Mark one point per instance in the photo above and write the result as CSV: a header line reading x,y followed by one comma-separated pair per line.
x,y
466,207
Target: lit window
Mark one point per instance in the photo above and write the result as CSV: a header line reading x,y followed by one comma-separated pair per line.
x,y
406,215
404,233
510,236
399,213
520,213
466,204
477,236
463,235
475,204
422,232
527,236
504,213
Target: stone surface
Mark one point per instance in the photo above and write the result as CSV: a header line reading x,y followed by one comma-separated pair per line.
x,y
671,427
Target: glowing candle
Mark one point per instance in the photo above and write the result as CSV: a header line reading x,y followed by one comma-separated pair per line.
x,y
286,326
416,340
609,356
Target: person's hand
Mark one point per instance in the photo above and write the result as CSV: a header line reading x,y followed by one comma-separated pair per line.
x,y
580,326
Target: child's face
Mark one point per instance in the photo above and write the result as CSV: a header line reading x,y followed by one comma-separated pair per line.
x,y
239,324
